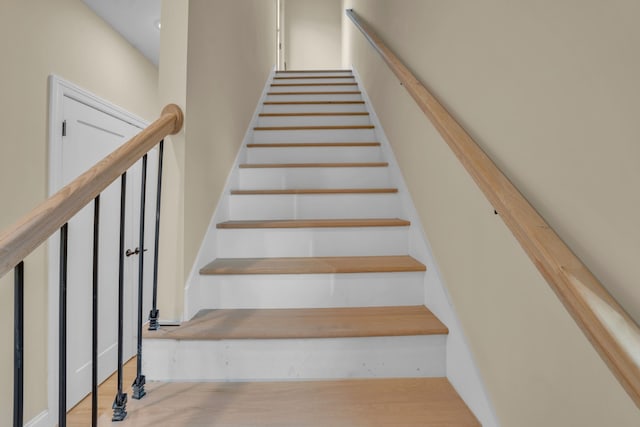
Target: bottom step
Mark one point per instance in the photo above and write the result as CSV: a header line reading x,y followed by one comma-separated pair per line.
x,y
346,403
298,344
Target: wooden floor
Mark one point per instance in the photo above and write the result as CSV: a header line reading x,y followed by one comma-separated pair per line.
x,y
315,223
313,265
294,323
318,127
315,191
80,415
426,402
313,165
313,144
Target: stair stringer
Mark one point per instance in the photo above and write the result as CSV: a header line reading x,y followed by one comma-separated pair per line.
x,y
208,248
462,370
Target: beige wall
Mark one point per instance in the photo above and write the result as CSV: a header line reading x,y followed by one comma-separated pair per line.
x,y
42,37
549,89
313,34
173,89
230,53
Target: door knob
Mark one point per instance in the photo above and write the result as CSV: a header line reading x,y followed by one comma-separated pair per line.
x,y
129,252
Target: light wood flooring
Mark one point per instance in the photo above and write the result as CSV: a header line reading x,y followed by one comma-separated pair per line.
x,y
294,323
313,165
426,402
315,223
313,265
80,415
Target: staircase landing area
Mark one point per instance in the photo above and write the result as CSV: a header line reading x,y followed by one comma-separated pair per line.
x,y
348,403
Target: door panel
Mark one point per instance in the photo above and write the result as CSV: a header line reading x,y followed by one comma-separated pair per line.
x,y
90,136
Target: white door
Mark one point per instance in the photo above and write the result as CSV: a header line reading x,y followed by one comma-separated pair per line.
x,y
89,136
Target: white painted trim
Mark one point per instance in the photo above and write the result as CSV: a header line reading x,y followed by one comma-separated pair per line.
x,y
208,250
295,359
40,420
462,370
58,89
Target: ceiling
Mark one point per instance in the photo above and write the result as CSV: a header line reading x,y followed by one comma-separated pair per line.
x,y
136,20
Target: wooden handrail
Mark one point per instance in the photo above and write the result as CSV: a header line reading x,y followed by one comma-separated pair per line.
x,y
612,332
33,229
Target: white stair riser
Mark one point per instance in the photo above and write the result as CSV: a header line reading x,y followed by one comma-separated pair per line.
x,y
312,108
313,242
313,206
316,97
314,155
346,73
288,178
313,121
306,88
312,81
299,136
311,290
282,359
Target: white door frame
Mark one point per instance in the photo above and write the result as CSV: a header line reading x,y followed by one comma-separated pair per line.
x,y
58,89
281,60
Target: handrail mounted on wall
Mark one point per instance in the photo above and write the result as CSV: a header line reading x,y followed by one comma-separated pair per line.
x,y
612,332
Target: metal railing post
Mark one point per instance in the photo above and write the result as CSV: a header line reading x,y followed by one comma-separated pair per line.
x,y
120,401
138,385
62,334
94,311
18,345
155,313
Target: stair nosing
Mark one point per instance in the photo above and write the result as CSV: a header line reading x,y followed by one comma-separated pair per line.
x,y
316,114
312,165
310,102
314,77
339,92
312,71
313,223
313,265
307,128
310,323
313,84
314,144
294,191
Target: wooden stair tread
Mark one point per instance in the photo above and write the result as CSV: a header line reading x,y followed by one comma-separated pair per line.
x,y
314,165
314,144
311,71
334,92
313,265
314,191
407,402
310,102
314,77
342,113
312,84
293,323
315,223
342,127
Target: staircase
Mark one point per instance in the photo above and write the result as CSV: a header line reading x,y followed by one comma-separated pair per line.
x,y
312,312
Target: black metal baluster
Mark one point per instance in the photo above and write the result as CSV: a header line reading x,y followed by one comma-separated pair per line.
x,y
138,385
94,343
120,402
18,345
155,313
62,324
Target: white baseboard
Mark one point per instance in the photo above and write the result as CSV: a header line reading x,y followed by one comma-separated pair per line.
x,y
40,420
